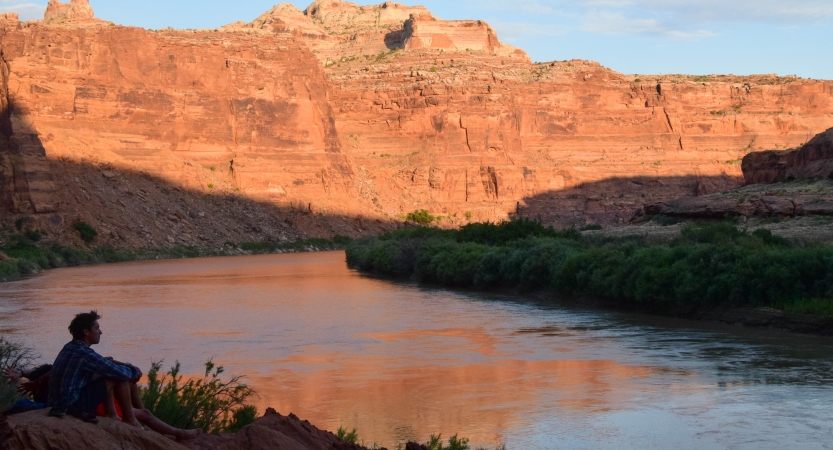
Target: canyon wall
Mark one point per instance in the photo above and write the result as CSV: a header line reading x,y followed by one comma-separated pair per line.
x,y
367,113
813,160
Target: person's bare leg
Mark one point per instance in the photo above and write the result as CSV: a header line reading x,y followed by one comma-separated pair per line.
x,y
121,393
160,427
135,398
110,406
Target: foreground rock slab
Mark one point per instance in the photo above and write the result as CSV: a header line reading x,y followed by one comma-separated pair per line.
x,y
37,431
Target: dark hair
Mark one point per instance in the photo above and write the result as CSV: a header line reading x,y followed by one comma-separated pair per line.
x,y
81,322
38,372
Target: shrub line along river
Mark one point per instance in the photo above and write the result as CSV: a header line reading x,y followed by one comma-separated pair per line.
x,y
400,361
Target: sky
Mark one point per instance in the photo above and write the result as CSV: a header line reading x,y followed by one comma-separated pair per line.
x,y
696,37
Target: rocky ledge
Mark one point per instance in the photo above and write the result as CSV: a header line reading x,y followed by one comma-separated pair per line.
x,y
37,431
779,184
812,160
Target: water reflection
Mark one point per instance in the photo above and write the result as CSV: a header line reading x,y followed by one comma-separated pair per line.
x,y
401,362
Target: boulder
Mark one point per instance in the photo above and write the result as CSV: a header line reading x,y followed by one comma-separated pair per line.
x,y
814,159
768,166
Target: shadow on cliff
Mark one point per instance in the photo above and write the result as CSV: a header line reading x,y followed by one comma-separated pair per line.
x,y
131,207
615,201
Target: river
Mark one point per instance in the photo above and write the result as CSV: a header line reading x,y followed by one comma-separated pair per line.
x,y
400,361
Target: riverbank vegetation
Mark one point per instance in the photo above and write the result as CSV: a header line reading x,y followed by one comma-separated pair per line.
x,y
211,403
25,254
708,265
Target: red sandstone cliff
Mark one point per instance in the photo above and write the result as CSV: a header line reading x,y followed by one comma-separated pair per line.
x,y
344,112
813,160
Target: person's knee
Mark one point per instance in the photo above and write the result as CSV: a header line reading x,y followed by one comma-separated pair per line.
x,y
116,384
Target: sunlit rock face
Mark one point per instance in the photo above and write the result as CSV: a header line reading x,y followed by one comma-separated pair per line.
x,y
75,10
371,112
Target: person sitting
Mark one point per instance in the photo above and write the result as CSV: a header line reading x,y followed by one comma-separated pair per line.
x,y
81,379
35,391
38,385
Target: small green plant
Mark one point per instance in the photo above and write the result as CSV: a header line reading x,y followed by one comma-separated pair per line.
x,y
33,235
211,403
421,217
638,80
210,185
342,240
665,221
86,231
350,437
21,222
241,417
213,168
591,227
433,70
468,215
454,443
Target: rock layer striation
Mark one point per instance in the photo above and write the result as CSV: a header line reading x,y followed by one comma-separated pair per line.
x,y
353,116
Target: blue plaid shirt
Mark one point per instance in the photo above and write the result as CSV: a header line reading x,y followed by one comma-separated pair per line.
x,y
77,365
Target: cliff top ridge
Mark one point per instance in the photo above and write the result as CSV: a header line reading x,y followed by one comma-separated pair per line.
x,y
337,29
75,10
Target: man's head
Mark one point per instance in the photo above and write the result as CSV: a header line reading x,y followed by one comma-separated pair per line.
x,y
84,327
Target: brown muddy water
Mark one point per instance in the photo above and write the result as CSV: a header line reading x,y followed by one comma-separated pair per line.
x,y
399,361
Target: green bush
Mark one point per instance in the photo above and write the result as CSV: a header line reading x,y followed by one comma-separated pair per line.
x,y
454,443
706,266
33,235
665,221
421,217
342,240
85,230
350,437
507,231
211,403
21,222
241,417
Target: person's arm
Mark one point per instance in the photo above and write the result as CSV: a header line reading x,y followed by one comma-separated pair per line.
x,y
102,366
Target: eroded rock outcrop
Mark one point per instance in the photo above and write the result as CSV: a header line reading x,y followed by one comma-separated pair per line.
x,y
75,10
813,160
37,431
424,31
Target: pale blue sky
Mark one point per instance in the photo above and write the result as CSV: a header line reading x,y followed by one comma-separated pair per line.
x,y
631,36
